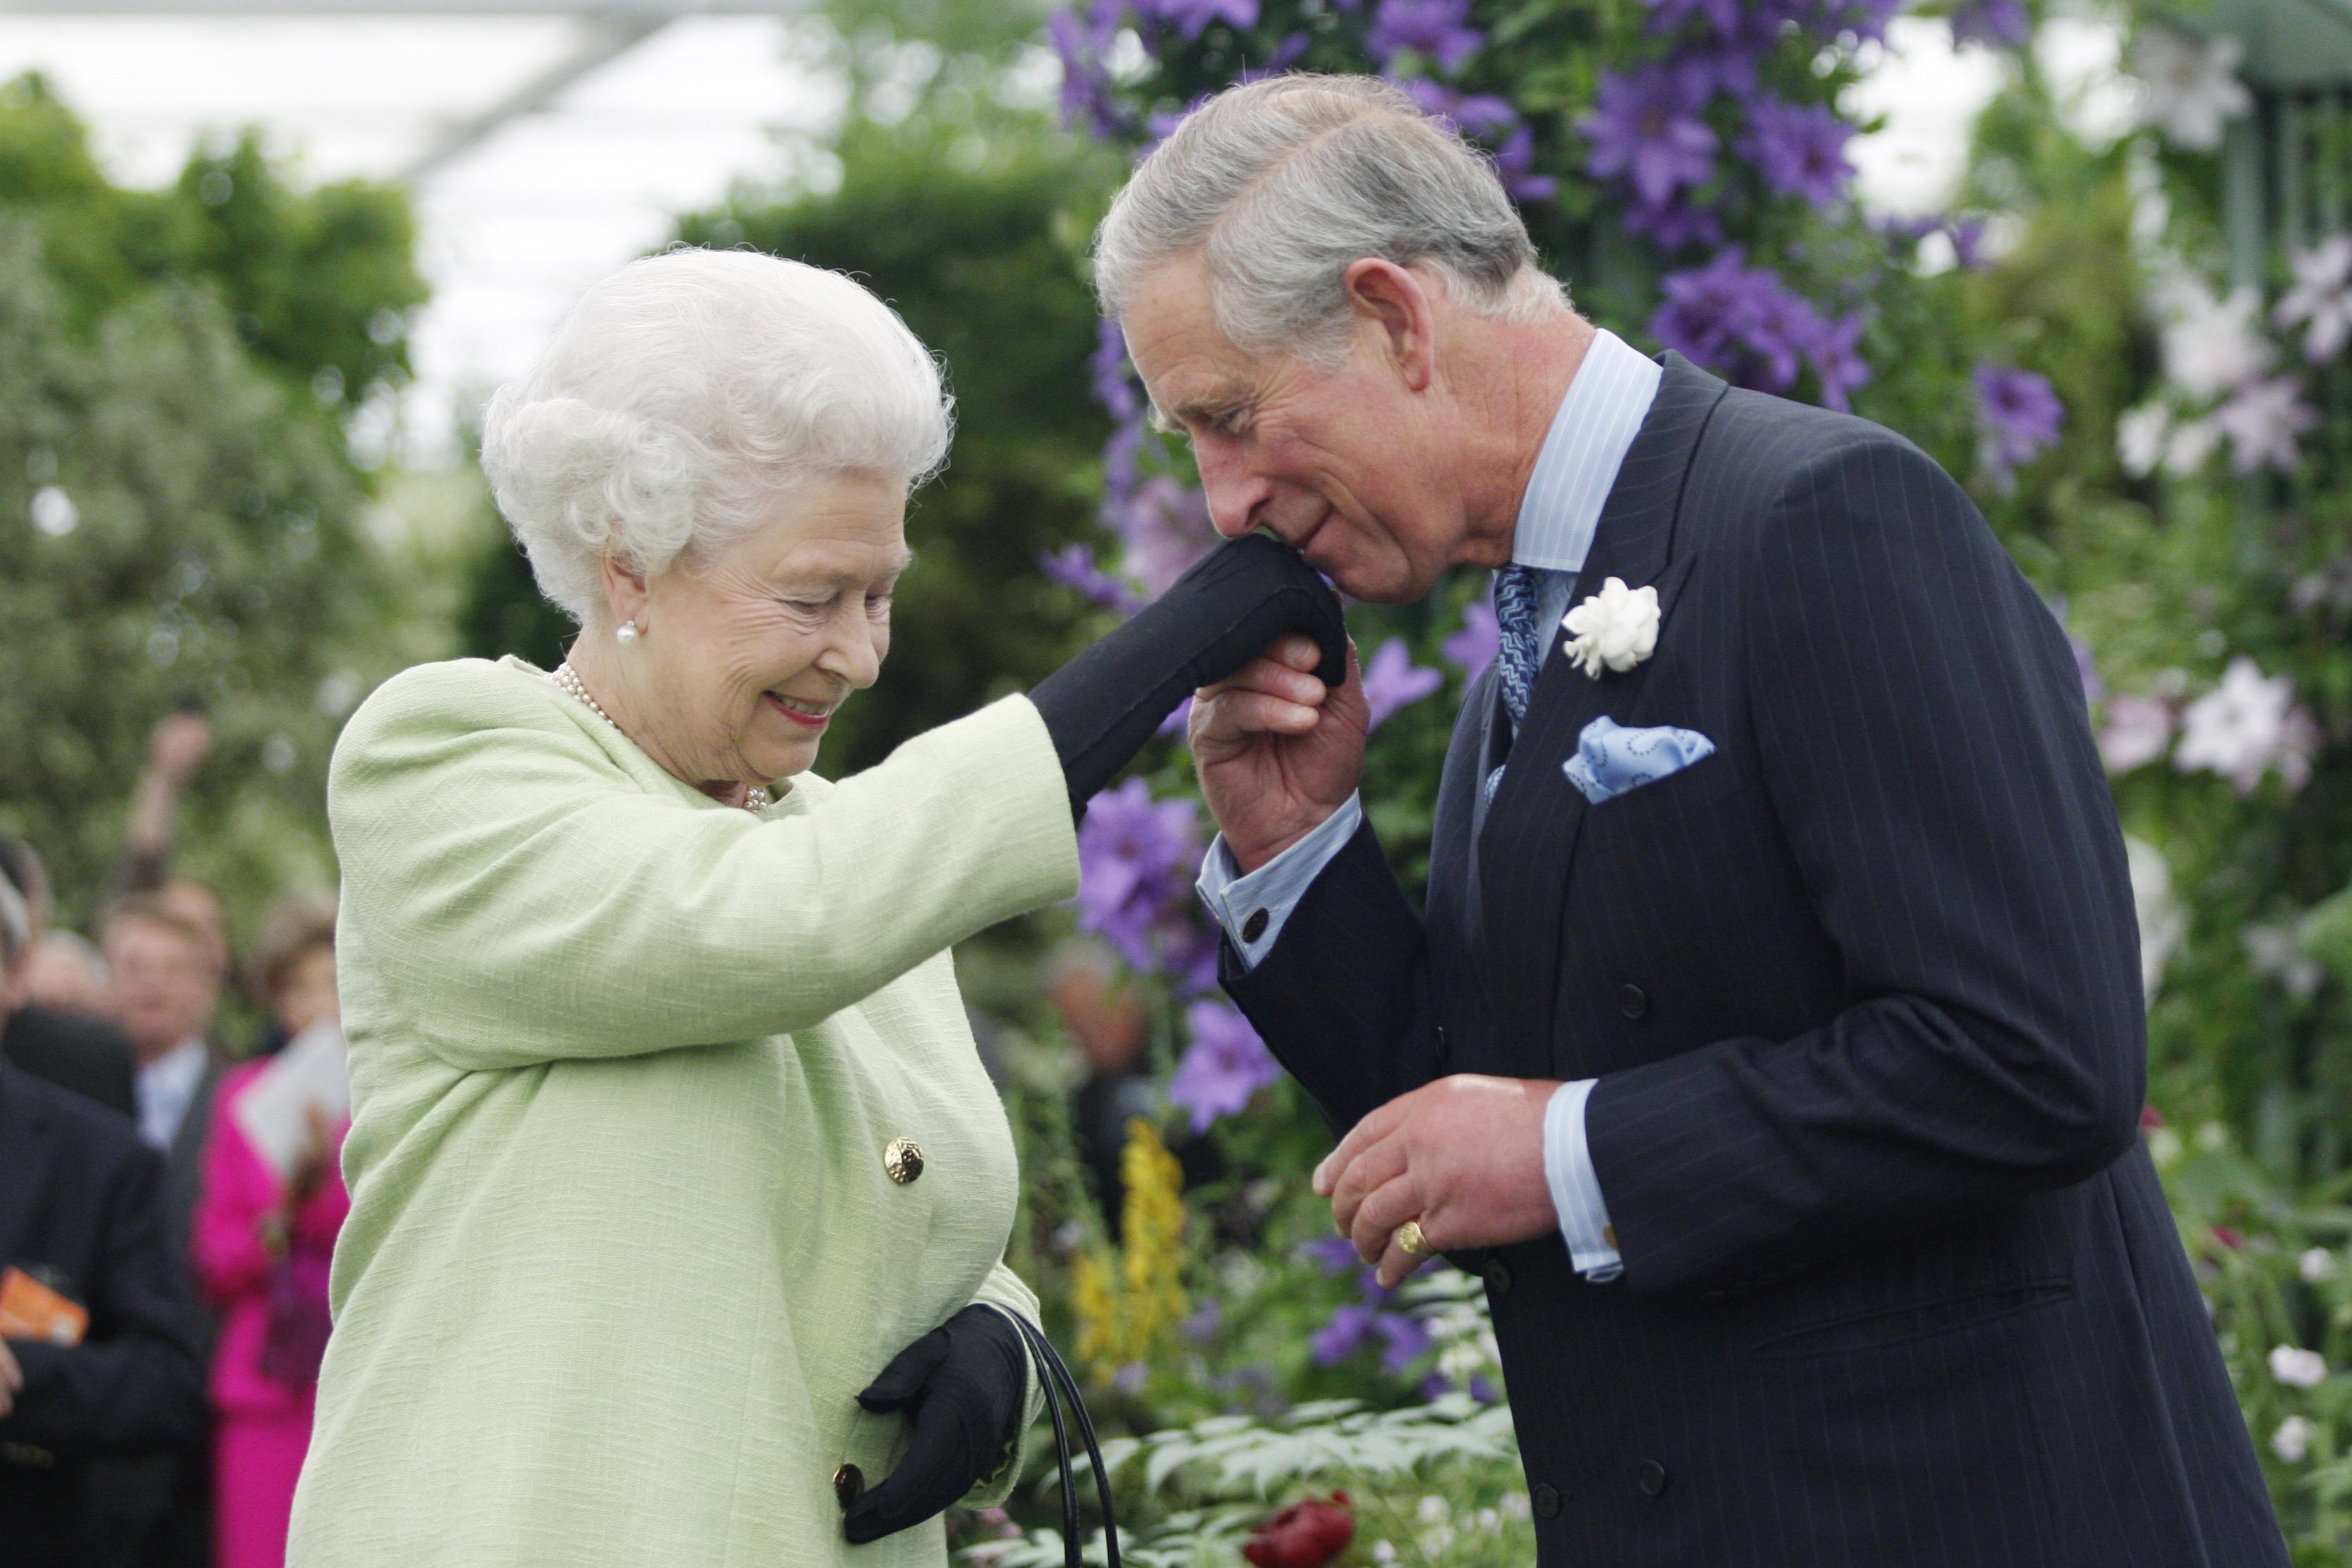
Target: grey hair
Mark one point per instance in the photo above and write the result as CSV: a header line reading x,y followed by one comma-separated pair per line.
x,y
1281,185
687,394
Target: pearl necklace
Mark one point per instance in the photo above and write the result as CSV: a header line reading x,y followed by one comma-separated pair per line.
x,y
567,679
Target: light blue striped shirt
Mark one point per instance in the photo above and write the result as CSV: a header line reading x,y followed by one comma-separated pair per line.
x,y
1598,417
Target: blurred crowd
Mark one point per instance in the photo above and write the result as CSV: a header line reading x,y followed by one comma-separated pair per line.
x,y
169,1200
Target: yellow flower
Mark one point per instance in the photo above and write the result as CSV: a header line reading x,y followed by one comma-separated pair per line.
x,y
1128,1306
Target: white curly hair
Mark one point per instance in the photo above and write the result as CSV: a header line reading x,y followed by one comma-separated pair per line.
x,y
685,397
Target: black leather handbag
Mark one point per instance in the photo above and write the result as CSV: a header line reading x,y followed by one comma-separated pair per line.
x,y
1054,1377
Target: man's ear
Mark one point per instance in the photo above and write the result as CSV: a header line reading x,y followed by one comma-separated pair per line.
x,y
624,593
1399,303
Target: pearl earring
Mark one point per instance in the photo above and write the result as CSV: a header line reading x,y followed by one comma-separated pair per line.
x,y
627,634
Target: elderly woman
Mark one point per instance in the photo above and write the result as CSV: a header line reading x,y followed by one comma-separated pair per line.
x,y
679,1195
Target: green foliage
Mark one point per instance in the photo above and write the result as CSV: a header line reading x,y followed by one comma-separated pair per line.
x,y
211,557
314,282
180,522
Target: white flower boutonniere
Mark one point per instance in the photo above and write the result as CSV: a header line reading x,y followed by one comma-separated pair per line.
x,y
1617,627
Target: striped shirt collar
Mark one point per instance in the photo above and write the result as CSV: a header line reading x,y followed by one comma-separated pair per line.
x,y
1607,400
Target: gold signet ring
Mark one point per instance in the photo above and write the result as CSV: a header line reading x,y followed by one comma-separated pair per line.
x,y
1409,1240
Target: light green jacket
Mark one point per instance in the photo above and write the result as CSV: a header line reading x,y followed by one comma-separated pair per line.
x,y
622,1248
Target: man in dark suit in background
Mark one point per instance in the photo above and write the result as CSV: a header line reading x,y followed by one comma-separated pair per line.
x,y
74,1051
1772,1043
80,1228
167,971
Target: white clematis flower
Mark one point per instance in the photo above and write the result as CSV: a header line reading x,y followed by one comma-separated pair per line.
x,y
2212,345
2298,1368
2140,436
1616,629
2192,90
2244,727
2321,299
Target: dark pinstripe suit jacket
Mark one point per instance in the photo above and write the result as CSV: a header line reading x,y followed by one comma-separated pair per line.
x,y
1863,994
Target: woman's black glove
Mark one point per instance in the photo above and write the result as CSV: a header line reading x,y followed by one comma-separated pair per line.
x,y
1102,706
964,1387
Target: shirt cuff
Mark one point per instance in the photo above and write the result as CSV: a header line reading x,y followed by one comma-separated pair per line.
x,y
1254,908
1575,1188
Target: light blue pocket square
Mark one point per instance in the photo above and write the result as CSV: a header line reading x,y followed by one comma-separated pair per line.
x,y
1611,759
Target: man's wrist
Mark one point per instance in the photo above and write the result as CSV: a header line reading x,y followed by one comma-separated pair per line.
x,y
1250,858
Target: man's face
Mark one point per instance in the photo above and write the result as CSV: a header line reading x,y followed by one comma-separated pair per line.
x,y
164,987
1351,466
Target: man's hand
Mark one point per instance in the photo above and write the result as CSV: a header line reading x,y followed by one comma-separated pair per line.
x,y
1277,751
1463,1155
12,1379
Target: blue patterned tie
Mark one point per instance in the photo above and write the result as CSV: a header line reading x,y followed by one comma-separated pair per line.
x,y
1515,588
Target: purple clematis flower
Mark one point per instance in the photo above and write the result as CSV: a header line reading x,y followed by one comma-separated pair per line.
x,y
1745,323
1675,225
1337,1253
1722,15
1799,148
1191,18
1137,859
1114,388
1392,680
2020,416
1717,68
1515,163
1226,1066
1407,1341
1480,116
1967,243
1437,30
1073,566
1167,527
1122,470
1350,1326
1999,24
1837,360
1644,129
1473,647
1088,99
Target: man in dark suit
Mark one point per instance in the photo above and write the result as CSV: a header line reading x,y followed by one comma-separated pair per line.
x,y
167,974
81,1216
1772,1042
83,1054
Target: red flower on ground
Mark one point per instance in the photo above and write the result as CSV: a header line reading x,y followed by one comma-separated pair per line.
x,y
1304,1535
2149,1117
2229,1239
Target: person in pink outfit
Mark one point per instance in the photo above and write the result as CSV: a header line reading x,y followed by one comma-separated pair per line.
x,y
261,1242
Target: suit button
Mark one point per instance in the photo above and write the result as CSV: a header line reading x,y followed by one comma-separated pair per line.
x,y
1253,926
1651,1476
1546,1498
1633,1001
902,1161
849,1484
1498,1277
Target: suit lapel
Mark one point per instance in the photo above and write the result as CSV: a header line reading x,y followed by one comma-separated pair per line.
x,y
1528,842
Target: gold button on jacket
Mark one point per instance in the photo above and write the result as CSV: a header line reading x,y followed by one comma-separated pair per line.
x,y
903,1159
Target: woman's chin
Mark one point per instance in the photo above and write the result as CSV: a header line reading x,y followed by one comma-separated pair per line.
x,y
781,756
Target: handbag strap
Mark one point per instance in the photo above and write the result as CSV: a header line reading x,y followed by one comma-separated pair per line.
x,y
1054,1377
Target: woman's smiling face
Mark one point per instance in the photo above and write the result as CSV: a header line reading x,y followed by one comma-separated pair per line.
x,y
744,653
